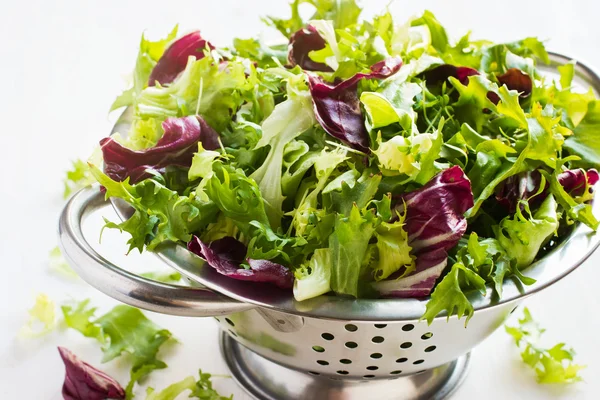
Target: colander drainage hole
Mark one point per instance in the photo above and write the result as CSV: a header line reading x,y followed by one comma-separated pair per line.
x,y
230,322
376,355
351,345
342,372
406,345
380,326
427,336
408,327
351,327
314,373
430,349
372,368
322,362
402,360
280,322
318,349
418,362
378,339
397,372
327,336
345,361
369,376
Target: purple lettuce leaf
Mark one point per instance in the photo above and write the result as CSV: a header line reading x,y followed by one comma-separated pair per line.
x,y
303,42
175,58
434,223
84,382
226,256
526,184
515,79
176,147
443,72
337,107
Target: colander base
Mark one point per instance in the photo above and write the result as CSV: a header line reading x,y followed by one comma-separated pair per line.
x,y
266,380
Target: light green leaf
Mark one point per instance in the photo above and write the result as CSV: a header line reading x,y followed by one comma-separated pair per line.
x,y
554,365
42,318
58,264
202,163
313,279
288,120
393,104
77,178
348,244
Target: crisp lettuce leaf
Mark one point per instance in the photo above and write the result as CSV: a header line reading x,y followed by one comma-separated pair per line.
x,y
585,142
148,55
78,177
124,329
349,243
522,237
551,365
288,120
160,214
313,278
393,250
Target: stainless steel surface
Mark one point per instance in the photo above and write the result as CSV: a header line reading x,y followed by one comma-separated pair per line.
x,y
364,349
125,286
266,380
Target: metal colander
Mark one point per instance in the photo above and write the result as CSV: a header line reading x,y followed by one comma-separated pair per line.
x,y
328,347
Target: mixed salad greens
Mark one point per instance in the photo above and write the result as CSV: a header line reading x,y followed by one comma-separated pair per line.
x,y
362,158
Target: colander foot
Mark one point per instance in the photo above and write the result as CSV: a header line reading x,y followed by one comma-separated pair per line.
x,y
266,380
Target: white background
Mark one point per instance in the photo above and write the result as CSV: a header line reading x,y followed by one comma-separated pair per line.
x,y
61,65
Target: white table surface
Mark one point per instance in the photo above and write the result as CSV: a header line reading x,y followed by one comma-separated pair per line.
x,y
63,62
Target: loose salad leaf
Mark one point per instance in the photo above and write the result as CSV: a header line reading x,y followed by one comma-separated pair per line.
x,y
551,365
59,265
42,318
124,329
84,382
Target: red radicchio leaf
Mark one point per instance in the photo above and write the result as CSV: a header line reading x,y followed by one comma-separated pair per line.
x,y
303,42
175,58
227,254
524,185
176,147
515,79
434,223
84,382
443,72
337,107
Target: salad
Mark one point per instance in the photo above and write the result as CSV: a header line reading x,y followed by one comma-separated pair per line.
x,y
359,158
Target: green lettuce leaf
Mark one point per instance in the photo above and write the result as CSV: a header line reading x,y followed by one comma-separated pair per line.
x,y
393,250
204,389
124,329
551,365
313,278
391,105
585,141
348,244
449,294
161,214
523,237
77,178
148,55
204,88
59,265
288,120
